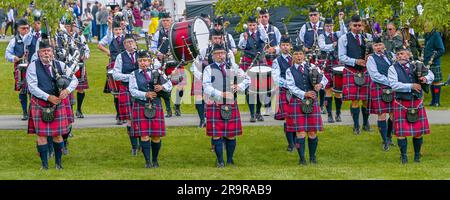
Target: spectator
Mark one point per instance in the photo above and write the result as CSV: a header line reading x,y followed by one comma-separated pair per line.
x,y
11,21
87,18
138,23
102,17
94,19
3,18
146,4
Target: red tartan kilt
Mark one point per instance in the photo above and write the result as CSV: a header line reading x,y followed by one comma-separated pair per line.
x,y
376,103
143,126
246,62
402,127
124,98
69,109
297,121
196,87
60,126
217,127
283,105
16,74
82,84
350,90
329,76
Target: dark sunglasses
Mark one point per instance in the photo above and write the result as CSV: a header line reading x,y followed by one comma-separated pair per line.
x,y
357,25
312,14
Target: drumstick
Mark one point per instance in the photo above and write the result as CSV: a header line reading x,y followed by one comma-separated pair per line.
x,y
185,44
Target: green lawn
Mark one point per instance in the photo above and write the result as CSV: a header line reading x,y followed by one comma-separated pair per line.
x,y
96,102
260,154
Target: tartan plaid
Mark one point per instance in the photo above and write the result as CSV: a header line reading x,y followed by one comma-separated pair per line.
x,y
350,90
143,126
283,105
83,84
217,127
401,125
246,62
182,72
124,98
60,126
196,87
296,121
328,72
69,109
23,88
436,69
376,103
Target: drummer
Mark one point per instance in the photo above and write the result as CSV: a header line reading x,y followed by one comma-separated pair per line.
x,y
271,49
252,42
223,119
126,62
352,48
160,47
279,67
115,48
15,53
328,47
220,25
378,64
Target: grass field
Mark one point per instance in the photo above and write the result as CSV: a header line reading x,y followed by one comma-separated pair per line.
x,y
104,154
96,102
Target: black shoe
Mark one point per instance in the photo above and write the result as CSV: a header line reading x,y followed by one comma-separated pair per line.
x,y
366,128
338,118
404,159
417,158
169,114
220,165
386,146
323,111
302,162
356,131
259,117
177,110
290,148
59,167
252,120
118,121
24,116
148,165
65,151
313,160
134,152
79,114
330,119
155,164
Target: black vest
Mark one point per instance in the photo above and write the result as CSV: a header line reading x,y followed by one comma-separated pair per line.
x,y
254,45
163,44
115,47
45,82
127,65
19,46
309,33
219,82
328,40
382,65
354,50
145,86
284,65
302,80
403,77
32,48
272,36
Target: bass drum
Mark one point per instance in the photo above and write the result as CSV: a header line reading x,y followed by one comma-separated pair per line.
x,y
194,33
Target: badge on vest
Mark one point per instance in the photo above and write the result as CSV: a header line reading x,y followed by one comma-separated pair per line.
x,y
387,95
307,106
149,111
412,115
359,79
225,112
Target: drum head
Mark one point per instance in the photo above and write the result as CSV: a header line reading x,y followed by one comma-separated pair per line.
x,y
200,33
260,69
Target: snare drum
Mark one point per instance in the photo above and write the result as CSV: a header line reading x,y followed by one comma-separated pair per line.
x,y
112,84
194,33
261,80
338,79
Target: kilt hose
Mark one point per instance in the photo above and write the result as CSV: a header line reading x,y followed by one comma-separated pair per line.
x,y
217,127
350,90
143,126
376,105
124,98
402,127
58,127
247,61
297,121
283,105
22,87
436,69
